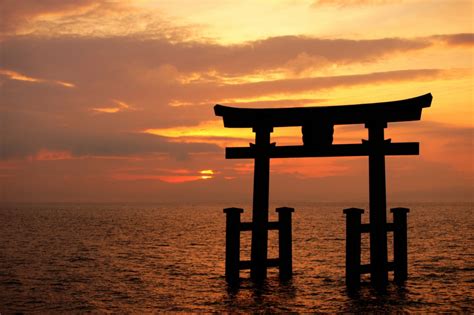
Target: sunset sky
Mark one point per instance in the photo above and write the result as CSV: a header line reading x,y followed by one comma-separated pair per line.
x,y
113,100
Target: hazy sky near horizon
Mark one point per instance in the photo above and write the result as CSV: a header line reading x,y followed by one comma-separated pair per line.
x,y
113,100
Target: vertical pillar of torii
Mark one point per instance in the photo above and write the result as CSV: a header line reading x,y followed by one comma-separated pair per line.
x,y
377,205
261,186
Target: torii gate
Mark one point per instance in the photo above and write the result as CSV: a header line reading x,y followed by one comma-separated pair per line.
x,y
317,129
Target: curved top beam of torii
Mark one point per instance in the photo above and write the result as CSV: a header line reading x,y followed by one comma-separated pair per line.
x,y
394,111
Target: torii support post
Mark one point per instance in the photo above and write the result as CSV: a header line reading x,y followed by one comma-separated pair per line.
x,y
232,245
261,183
284,242
400,255
353,244
378,206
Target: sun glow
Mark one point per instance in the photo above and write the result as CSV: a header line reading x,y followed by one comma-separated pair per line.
x,y
213,132
176,176
206,174
207,129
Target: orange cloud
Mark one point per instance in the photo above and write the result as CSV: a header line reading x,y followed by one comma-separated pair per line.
x,y
350,3
466,39
47,155
16,14
121,106
12,75
286,87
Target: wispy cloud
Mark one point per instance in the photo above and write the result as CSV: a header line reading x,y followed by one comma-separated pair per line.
x,y
352,3
57,18
16,14
27,134
464,39
287,53
13,75
289,86
119,107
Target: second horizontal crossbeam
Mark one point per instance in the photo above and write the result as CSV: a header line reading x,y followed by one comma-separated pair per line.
x,y
403,148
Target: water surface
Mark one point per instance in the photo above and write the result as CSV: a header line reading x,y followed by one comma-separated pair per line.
x,y
170,257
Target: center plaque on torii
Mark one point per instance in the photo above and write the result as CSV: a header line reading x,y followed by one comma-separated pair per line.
x,y
317,126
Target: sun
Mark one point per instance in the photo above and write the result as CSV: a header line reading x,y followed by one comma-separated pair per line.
x,y
206,174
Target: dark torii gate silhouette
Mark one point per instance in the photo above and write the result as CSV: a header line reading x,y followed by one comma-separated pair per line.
x,y
317,125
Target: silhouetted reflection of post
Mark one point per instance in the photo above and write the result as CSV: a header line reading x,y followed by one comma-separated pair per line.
x,y
378,205
258,270
232,240
284,240
353,237
400,255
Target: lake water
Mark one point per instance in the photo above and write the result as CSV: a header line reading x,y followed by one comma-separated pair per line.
x,y
170,257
